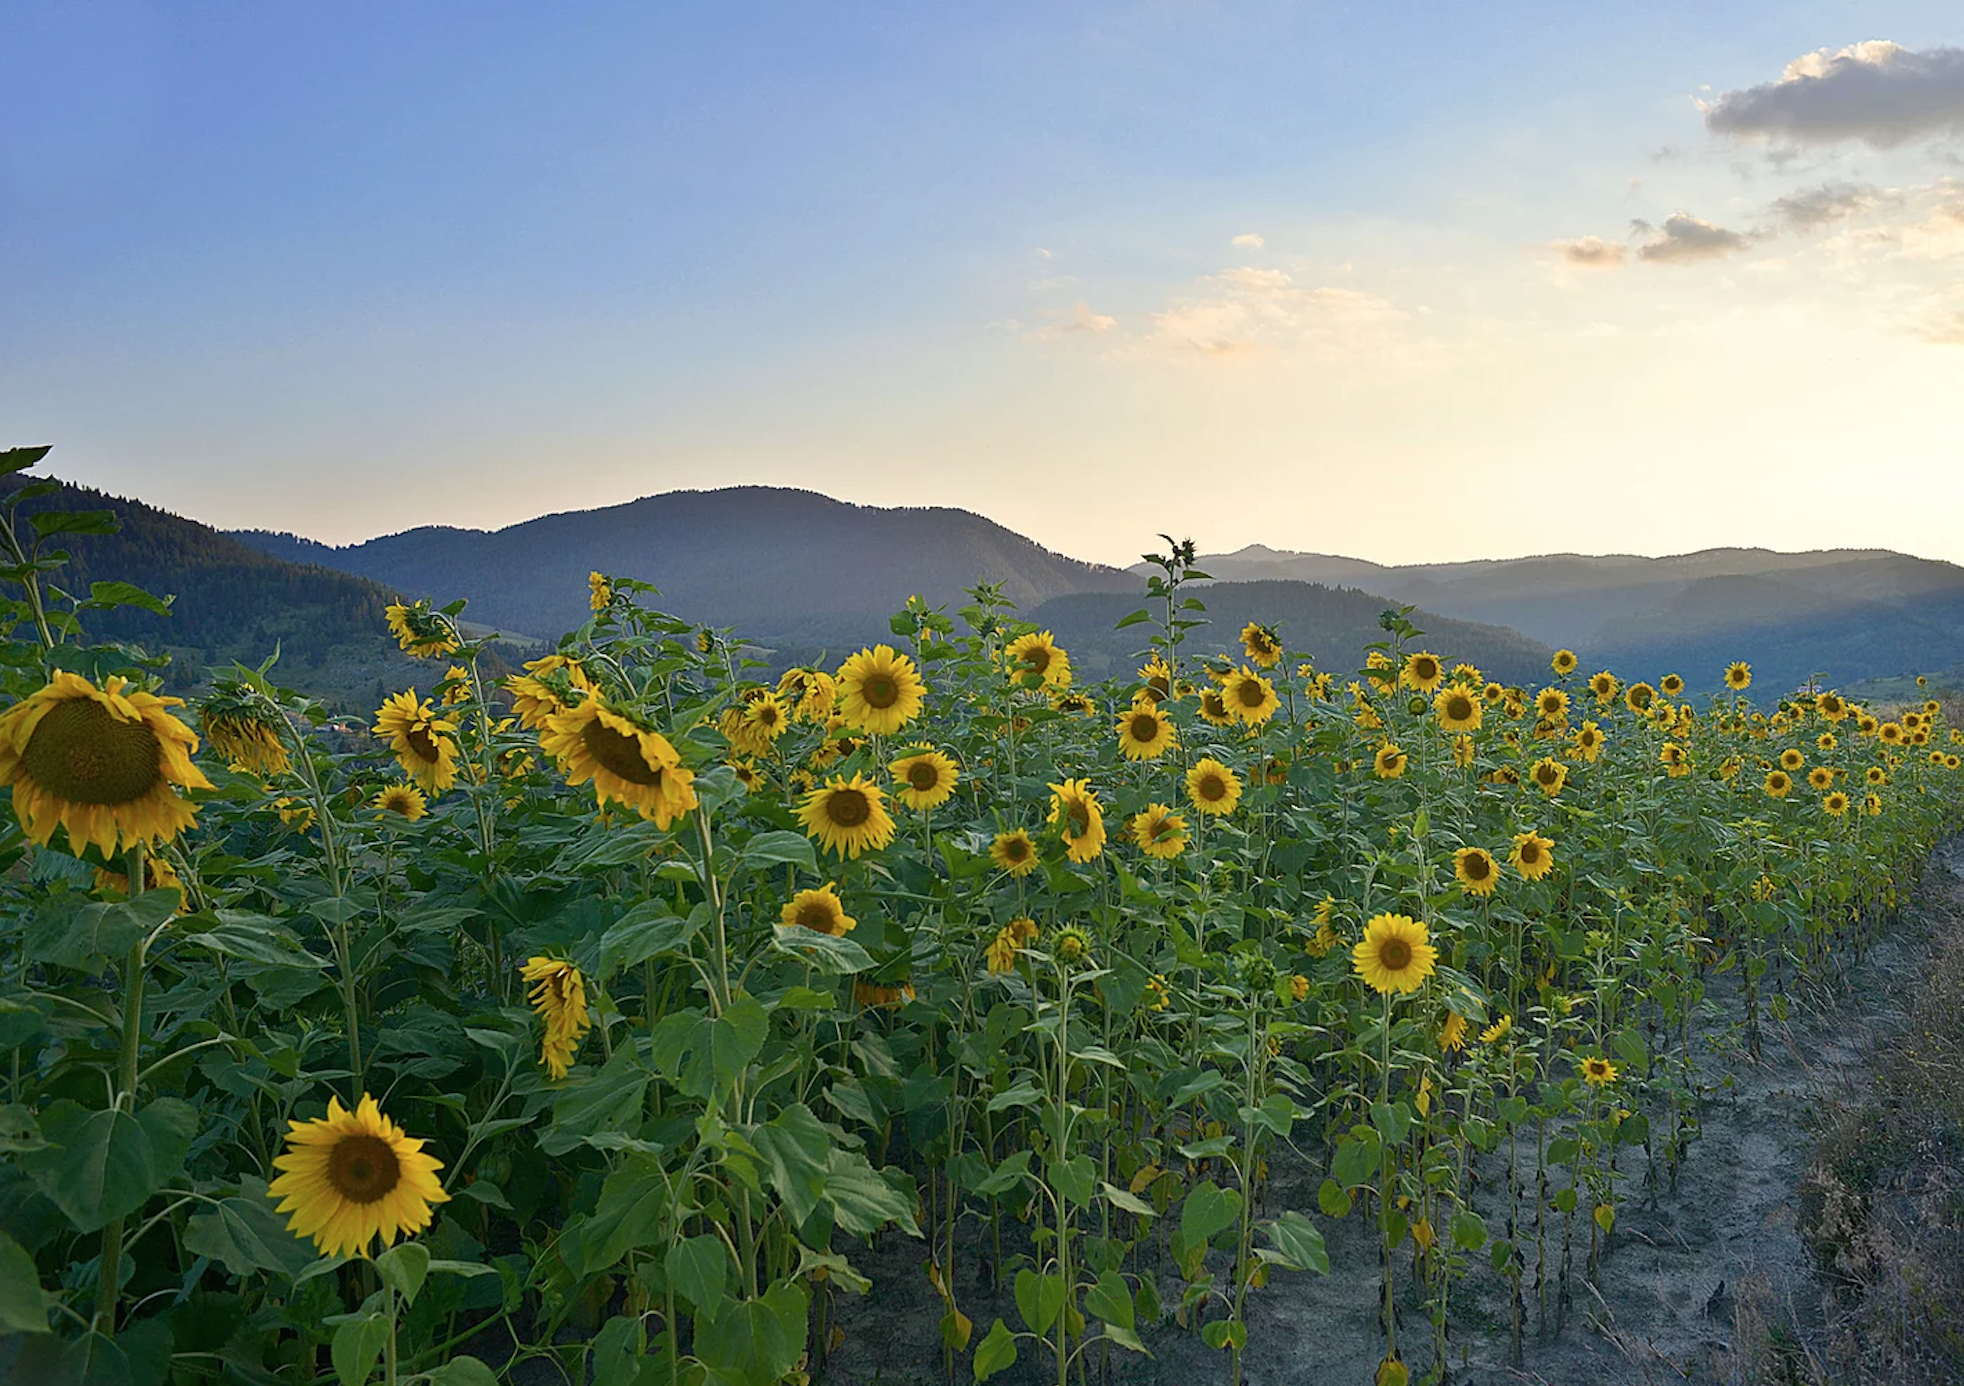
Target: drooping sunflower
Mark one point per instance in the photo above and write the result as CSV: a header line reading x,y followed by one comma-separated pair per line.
x,y
103,764
598,592
1038,656
1262,644
1589,742
1604,686
1497,1031
1563,663
924,778
421,740
403,800
1821,778
1394,955
821,911
247,735
1533,855
1778,783
1389,763
1739,676
1598,1072
847,816
1250,697
1003,950
1458,709
559,996
1075,813
421,632
158,874
1423,672
1159,831
547,686
1549,775
1452,1034
628,763
879,691
1015,852
349,1177
1551,705
1475,868
1144,732
1212,787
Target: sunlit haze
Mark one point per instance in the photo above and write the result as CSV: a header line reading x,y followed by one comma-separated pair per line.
x,y
1406,282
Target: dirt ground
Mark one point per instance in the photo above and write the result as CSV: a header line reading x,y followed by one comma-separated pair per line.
x,y
1688,1292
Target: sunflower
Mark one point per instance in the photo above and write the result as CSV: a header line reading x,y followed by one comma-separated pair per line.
x,y
1474,868
1214,708
1778,782
1158,995
1792,759
1452,1034
1493,693
559,996
404,800
1212,787
1423,672
1071,944
1157,678
247,736
158,874
420,632
1891,733
925,778
1831,706
1739,676
1250,697
351,1176
1458,709
1549,775
1872,805
420,739
1867,723
1672,685
879,690
1497,1031
1144,732
1589,742
1533,855
296,814
98,763
1075,812
847,816
1389,762
1821,778
1081,705
1835,804
1463,750
1604,686
819,910
1598,1072
548,685
1677,761
1394,954
1014,852
1551,705
628,763
1036,659
1261,644
598,592
1003,950
811,691
1639,697
1159,831
1563,663
1877,775
765,718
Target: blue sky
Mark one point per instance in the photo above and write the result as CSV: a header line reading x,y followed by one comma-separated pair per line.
x,y
1402,281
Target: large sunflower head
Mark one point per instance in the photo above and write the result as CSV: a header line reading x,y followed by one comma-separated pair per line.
x,y
1676,760
1159,831
821,911
1792,758
1015,852
102,764
421,740
847,816
420,631
765,717
1075,812
1144,732
559,996
1212,787
1551,705
350,1177
1639,697
1475,869
628,763
1250,697
1037,660
924,778
1423,671
1739,676
1261,644
879,691
1394,955
1533,855
1458,709
403,800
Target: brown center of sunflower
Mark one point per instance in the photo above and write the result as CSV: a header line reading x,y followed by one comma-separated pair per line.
x,y
1550,706
423,744
817,915
1145,727
1424,670
619,753
1547,774
1394,954
1530,853
1212,787
1251,694
1159,827
1459,707
82,753
922,775
1477,867
363,1169
1036,659
848,808
1017,849
880,691
1079,813
1213,703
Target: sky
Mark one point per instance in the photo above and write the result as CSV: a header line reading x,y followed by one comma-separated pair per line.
x,y
1408,282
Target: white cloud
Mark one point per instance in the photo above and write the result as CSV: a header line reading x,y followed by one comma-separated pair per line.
x,y
1248,240
1685,239
1590,252
1877,92
1043,254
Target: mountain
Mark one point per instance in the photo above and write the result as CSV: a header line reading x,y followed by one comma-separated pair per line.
x,y
1848,614
232,601
1332,625
790,569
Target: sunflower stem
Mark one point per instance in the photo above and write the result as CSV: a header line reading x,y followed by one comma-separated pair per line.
x,y
109,1266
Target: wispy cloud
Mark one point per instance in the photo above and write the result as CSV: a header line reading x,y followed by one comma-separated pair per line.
x,y
1248,311
1684,239
1877,92
1590,252
1810,209
1248,240
1078,318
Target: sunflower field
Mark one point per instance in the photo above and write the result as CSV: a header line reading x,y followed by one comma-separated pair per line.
x,y
623,1020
